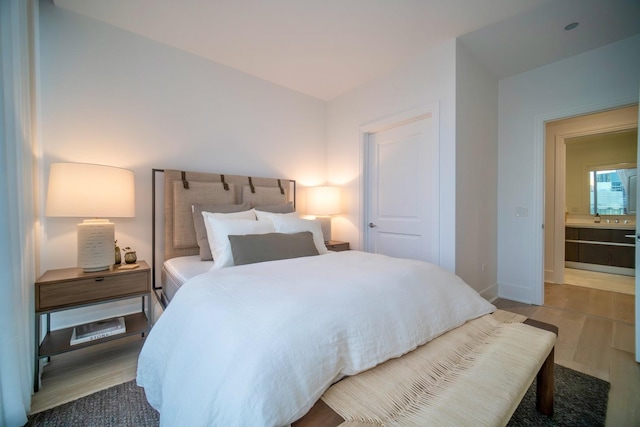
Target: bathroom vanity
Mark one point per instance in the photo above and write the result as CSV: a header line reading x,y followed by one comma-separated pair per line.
x,y
606,247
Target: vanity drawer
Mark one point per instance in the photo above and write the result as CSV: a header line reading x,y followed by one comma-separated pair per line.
x,y
616,256
596,234
623,256
572,251
600,235
620,236
571,233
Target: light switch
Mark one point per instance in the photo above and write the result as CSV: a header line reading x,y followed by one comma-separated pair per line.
x,y
522,212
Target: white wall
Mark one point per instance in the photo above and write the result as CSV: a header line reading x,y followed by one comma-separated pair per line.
x,y
595,80
476,174
114,98
428,79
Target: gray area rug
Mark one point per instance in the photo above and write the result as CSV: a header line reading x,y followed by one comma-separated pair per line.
x,y
121,405
580,400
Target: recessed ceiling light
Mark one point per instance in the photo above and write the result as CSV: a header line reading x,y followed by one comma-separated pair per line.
x,y
571,26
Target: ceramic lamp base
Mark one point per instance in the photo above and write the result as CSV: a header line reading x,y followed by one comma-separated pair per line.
x,y
95,244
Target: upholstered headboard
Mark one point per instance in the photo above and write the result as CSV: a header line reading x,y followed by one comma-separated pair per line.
x,y
182,189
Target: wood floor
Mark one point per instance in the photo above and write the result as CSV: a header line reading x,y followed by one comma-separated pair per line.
x,y
597,337
79,373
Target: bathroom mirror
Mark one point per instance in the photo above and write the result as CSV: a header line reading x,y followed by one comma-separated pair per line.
x,y
612,190
601,173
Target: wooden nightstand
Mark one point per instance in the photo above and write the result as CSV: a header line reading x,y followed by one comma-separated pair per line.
x,y
337,246
64,289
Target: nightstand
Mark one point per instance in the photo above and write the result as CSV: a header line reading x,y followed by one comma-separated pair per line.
x,y
64,289
337,246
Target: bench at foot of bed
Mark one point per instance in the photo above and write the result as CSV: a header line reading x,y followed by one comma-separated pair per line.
x,y
476,374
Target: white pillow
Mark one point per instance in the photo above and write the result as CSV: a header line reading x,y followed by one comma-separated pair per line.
x,y
219,238
285,224
248,215
263,216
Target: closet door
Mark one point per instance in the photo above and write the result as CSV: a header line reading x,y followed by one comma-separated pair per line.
x,y
402,188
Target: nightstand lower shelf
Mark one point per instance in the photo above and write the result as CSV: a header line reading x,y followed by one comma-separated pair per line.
x,y
57,342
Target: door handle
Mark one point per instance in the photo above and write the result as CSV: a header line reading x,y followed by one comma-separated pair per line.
x,y
371,225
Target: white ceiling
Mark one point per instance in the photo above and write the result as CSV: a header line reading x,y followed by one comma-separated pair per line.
x,y
324,48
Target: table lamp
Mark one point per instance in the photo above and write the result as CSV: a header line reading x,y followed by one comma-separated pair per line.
x,y
92,191
322,202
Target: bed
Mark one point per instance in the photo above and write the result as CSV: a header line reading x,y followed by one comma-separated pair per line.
x,y
278,331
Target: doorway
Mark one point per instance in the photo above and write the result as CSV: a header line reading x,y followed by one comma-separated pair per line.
x,y
556,210
569,192
600,208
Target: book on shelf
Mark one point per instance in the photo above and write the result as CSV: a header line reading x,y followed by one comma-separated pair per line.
x,y
97,330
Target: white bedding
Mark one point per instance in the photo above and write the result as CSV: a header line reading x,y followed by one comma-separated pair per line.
x,y
258,344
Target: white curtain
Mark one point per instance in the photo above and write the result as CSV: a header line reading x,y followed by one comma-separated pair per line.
x,y
18,29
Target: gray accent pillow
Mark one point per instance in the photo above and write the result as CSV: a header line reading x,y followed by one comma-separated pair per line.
x,y
201,231
252,248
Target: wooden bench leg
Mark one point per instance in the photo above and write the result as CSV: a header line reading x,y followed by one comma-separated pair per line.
x,y
545,387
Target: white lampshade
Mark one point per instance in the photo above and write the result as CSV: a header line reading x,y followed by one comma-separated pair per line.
x,y
96,191
84,190
323,201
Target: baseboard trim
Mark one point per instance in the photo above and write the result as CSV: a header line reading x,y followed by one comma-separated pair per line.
x,y
515,293
549,276
490,293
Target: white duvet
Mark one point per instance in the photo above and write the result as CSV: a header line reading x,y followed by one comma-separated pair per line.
x,y
257,345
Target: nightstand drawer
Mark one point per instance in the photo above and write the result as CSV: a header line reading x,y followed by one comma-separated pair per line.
x,y
58,295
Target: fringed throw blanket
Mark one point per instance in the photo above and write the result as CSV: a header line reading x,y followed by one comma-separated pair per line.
x,y
474,375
